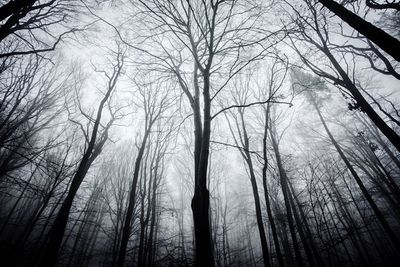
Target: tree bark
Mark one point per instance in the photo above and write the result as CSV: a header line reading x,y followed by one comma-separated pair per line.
x,y
201,198
386,42
390,134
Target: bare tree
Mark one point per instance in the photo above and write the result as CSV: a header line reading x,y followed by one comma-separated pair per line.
x,y
314,30
203,34
155,101
35,26
94,142
385,41
312,97
31,94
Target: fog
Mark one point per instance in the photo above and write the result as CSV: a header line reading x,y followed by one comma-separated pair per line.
x,y
199,133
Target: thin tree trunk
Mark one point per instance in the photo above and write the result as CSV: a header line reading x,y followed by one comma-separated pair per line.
x,y
92,151
266,193
304,221
284,186
300,228
247,157
132,200
390,233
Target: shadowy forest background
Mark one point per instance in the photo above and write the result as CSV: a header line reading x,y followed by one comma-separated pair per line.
x,y
199,133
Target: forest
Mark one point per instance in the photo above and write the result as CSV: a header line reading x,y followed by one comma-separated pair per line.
x,y
203,133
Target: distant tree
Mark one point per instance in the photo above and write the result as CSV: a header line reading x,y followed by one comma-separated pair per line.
x,y
311,86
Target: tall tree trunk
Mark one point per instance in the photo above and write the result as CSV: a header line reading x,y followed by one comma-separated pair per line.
x,y
260,223
247,158
143,211
92,151
58,228
201,198
266,193
126,231
153,207
386,42
346,82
